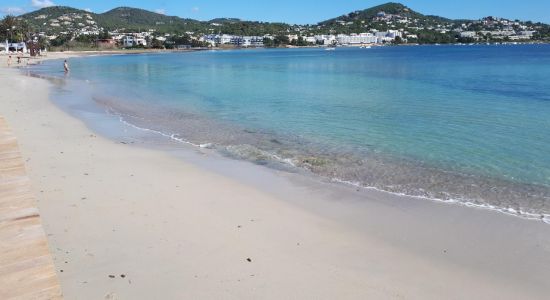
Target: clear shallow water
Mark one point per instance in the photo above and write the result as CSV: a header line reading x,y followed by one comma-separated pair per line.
x,y
469,123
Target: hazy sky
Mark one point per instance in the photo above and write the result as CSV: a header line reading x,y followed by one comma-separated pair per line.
x,y
298,11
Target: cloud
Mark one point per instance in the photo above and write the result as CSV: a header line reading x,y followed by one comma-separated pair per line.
x,y
195,9
88,10
42,3
161,11
11,10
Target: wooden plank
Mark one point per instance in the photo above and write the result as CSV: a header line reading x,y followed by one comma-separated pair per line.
x,y
26,266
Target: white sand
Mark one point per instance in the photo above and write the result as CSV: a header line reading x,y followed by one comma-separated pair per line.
x,y
179,231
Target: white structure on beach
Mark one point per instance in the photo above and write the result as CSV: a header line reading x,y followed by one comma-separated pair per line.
x,y
13,47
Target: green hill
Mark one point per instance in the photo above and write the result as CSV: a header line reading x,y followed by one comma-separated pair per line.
x,y
392,16
398,10
225,20
57,19
51,13
134,19
389,16
123,18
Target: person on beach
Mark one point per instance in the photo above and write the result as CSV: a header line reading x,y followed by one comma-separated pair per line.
x,y
9,61
18,59
66,66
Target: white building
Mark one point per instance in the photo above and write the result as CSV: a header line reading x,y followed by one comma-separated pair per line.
x,y
373,37
310,39
355,39
216,39
13,47
325,39
248,41
292,37
131,41
388,36
226,39
210,39
527,33
4,47
394,34
468,34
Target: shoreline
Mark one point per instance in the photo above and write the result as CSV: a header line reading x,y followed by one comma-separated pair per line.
x,y
333,242
545,218
520,212
84,53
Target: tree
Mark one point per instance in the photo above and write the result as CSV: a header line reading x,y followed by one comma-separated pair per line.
x,y
60,40
268,42
86,39
104,35
156,44
6,27
398,40
43,43
183,40
432,37
281,40
465,40
14,29
300,42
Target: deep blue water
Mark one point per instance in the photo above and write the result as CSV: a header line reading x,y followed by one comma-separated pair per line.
x,y
448,122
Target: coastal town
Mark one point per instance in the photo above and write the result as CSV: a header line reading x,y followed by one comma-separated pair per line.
x,y
66,28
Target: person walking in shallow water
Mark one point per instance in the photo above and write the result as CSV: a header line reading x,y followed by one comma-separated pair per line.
x,y
66,66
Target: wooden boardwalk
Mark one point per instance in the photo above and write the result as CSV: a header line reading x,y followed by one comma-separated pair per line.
x,y
26,266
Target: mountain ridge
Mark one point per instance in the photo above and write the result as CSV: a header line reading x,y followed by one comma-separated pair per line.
x,y
390,8
389,16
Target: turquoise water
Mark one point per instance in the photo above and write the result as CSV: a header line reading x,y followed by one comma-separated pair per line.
x,y
469,123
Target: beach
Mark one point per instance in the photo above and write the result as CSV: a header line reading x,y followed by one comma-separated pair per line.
x,y
129,222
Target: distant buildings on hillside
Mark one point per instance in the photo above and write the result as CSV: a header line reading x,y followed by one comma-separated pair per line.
x,y
374,37
397,28
240,41
498,34
129,41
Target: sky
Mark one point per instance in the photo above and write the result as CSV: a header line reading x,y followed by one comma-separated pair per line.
x,y
298,11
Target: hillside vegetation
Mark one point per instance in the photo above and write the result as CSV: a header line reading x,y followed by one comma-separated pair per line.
x,y
420,28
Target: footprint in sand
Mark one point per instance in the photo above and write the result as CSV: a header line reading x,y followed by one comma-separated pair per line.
x,y
111,296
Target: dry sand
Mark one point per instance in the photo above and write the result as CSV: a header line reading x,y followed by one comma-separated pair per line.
x,y
126,222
